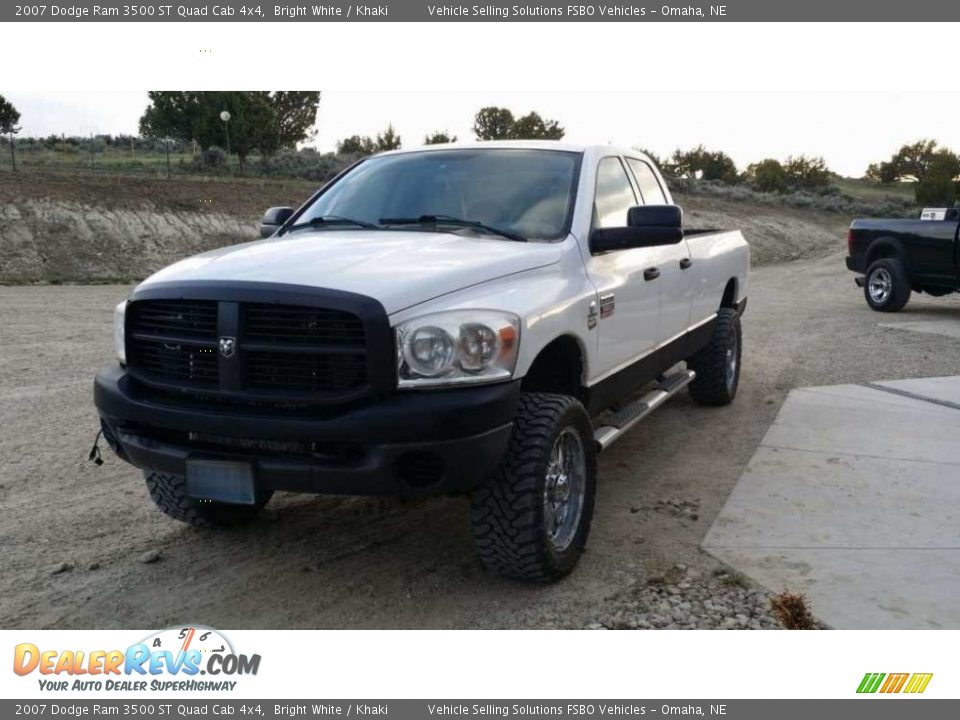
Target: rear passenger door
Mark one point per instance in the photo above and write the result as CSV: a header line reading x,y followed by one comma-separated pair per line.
x,y
677,284
629,306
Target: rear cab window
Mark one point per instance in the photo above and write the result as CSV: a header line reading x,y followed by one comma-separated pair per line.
x,y
647,182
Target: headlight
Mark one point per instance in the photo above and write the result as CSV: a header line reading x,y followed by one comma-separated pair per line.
x,y
457,347
119,347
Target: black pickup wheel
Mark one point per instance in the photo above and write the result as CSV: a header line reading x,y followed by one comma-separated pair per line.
x,y
169,493
718,364
886,286
531,519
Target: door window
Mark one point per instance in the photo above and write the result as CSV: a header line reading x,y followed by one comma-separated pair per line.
x,y
614,194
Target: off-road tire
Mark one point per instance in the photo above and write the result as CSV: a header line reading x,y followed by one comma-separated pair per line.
x,y
900,289
507,512
169,492
713,384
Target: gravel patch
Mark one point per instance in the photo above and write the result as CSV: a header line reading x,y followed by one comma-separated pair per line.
x,y
686,600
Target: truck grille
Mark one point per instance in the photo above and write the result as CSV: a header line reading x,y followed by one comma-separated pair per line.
x,y
174,340
289,324
281,352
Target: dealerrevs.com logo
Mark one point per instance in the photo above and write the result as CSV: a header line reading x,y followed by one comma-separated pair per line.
x,y
177,659
910,683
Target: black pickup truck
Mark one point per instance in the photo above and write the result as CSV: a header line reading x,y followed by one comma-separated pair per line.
x,y
896,257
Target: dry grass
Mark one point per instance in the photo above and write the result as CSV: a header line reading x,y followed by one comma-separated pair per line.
x,y
792,611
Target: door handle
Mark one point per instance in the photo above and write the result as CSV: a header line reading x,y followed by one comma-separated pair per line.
x,y
651,273
685,263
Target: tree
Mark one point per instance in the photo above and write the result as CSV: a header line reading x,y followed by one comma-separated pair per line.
x,y
805,173
9,117
768,176
496,123
357,145
939,183
911,162
493,123
533,127
388,140
170,114
439,137
704,164
249,128
295,114
873,172
259,120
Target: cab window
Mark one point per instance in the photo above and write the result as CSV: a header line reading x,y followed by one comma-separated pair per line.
x,y
614,195
650,188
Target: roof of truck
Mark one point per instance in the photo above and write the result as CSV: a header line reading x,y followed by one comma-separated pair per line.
x,y
514,144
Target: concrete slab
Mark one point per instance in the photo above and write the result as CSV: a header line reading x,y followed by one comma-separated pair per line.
x,y
944,389
858,420
853,498
796,499
879,588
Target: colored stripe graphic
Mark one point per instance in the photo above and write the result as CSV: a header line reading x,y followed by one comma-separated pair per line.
x,y
894,683
918,683
870,682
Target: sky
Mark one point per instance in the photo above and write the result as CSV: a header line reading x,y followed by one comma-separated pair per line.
x,y
848,129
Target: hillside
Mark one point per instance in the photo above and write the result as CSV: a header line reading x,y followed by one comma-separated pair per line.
x,y
86,227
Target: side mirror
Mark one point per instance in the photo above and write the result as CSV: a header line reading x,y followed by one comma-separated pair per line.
x,y
273,219
647,226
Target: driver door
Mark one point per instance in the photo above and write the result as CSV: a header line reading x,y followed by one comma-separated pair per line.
x,y
629,302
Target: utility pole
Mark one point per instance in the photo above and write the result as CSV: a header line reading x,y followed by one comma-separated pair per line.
x,y
13,153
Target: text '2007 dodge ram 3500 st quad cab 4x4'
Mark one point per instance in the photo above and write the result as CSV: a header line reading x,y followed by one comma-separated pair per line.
x,y
461,318
896,257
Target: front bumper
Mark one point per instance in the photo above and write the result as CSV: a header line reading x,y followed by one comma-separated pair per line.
x,y
405,444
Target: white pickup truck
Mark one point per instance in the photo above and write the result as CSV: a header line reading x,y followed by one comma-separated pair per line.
x,y
479,318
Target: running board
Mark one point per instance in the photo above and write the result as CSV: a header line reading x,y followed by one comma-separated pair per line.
x,y
617,423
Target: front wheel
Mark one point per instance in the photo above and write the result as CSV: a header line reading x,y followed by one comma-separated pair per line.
x,y
532,518
718,364
886,287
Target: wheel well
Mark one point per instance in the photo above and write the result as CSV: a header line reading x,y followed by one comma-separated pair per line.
x,y
558,368
729,298
880,249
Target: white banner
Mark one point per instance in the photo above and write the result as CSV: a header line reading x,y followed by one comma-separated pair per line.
x,y
458,664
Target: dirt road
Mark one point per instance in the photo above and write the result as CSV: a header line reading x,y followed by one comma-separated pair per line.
x,y
72,533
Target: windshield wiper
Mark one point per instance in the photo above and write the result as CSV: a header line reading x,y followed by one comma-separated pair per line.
x,y
331,220
450,220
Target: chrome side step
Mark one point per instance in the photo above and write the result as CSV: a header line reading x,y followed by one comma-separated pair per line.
x,y
615,424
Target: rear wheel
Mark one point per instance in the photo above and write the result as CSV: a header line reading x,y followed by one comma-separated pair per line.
x,y
532,518
886,287
718,364
169,493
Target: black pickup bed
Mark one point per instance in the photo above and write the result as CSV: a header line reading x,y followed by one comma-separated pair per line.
x,y
927,248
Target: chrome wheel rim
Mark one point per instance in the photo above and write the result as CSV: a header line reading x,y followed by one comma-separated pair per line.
x,y
565,489
880,285
730,364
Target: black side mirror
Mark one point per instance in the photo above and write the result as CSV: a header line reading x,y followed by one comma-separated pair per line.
x,y
647,226
273,219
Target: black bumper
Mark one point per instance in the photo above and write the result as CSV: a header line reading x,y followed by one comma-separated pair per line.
x,y
855,264
408,443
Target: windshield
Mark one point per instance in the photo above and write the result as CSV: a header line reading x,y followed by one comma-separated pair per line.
x,y
527,192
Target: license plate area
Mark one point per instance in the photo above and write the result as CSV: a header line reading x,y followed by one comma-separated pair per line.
x,y
226,481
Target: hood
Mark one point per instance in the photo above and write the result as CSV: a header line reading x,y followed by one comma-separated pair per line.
x,y
397,267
